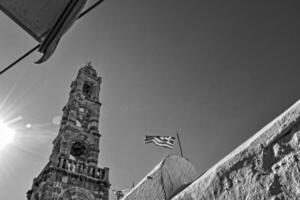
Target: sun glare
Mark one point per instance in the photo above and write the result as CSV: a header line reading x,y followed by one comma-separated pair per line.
x,y
6,135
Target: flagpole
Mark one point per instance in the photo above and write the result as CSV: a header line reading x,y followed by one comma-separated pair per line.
x,y
179,144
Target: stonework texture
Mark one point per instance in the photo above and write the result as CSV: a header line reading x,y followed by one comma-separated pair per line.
x,y
72,172
164,180
264,167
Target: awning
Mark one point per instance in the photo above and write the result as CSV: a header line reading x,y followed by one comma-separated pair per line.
x,y
45,20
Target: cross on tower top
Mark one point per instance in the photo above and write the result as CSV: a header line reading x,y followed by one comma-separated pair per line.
x,y
89,64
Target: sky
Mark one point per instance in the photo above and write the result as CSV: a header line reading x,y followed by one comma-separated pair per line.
x,y
215,71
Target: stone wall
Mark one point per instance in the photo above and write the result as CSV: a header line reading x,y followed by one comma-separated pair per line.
x,y
264,167
164,180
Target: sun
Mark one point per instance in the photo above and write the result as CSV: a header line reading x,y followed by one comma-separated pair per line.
x,y
6,135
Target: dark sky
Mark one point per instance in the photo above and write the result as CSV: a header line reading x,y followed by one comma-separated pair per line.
x,y
216,71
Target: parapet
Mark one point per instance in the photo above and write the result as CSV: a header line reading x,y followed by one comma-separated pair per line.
x,y
266,166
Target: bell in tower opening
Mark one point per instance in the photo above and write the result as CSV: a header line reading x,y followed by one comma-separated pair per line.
x,y
72,172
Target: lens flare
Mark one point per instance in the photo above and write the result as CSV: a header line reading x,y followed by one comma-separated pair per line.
x,y
6,135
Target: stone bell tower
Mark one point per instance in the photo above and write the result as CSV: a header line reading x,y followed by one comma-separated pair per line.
x,y
72,172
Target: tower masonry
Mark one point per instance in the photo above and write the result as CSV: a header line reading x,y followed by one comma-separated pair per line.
x,y
72,172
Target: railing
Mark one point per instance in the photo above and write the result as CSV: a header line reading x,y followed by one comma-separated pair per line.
x,y
91,172
81,168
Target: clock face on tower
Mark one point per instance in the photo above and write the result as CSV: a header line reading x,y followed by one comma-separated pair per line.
x,y
78,150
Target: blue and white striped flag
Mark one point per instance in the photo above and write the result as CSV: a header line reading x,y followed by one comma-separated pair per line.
x,y
164,141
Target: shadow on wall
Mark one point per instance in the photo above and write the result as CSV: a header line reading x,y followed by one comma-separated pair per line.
x,y
169,177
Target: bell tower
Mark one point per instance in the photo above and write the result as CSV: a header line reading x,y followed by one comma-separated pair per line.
x,y
72,172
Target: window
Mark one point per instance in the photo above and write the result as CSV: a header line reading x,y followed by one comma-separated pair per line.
x,y
78,149
87,89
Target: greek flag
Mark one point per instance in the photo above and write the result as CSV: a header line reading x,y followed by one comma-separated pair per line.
x,y
164,141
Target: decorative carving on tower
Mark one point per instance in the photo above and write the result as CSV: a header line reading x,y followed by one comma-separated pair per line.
x,y
72,172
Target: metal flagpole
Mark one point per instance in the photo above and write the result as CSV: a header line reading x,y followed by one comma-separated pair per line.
x,y
179,144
